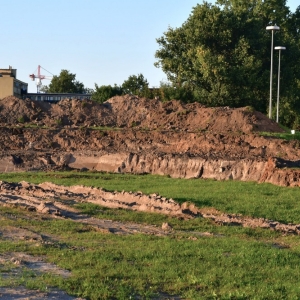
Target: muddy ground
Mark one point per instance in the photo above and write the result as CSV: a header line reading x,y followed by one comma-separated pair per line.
x,y
128,134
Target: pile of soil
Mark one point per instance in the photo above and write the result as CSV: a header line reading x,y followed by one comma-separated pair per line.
x,y
134,112
139,135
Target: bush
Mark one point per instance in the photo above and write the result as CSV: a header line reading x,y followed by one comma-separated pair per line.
x,y
105,92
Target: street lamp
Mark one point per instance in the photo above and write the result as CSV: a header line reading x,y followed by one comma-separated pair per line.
x,y
272,28
279,48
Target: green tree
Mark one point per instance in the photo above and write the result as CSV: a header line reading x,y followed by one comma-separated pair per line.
x,y
104,92
88,91
137,85
65,83
222,52
167,91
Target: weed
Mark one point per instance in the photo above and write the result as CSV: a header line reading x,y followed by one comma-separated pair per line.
x,y
133,124
249,108
59,121
51,144
105,128
22,119
281,154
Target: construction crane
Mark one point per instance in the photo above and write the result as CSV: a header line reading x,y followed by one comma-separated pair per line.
x,y
38,78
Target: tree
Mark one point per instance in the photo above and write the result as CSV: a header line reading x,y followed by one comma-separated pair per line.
x,y
88,91
104,92
137,85
222,52
65,83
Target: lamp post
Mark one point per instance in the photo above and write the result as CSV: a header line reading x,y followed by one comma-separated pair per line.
x,y
279,48
272,28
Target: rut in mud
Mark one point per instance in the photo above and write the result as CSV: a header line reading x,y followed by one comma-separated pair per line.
x,y
57,201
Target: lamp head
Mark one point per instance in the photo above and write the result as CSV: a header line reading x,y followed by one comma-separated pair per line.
x,y
279,48
275,27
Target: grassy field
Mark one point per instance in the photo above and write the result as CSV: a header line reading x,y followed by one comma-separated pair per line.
x,y
247,198
233,263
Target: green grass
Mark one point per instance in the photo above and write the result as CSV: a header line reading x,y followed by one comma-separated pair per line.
x,y
107,266
283,135
105,128
234,263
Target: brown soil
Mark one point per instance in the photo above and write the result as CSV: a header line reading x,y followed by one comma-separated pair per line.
x,y
131,111
145,136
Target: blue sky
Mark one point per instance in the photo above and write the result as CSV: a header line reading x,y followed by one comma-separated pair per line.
x,y
102,42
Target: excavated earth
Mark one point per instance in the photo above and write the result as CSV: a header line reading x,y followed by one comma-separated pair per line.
x,y
128,134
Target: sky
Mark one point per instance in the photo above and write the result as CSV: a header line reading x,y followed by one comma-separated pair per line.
x,y
101,41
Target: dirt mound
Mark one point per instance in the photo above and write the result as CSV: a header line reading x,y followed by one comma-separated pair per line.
x,y
131,111
145,136
14,110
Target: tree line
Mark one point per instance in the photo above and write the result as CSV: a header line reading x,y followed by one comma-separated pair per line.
x,y
138,85
221,56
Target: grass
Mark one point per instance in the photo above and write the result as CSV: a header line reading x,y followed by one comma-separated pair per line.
x,y
283,135
106,266
287,135
235,263
114,267
105,128
247,198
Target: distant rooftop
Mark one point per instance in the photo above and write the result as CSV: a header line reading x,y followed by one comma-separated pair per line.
x,y
10,72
